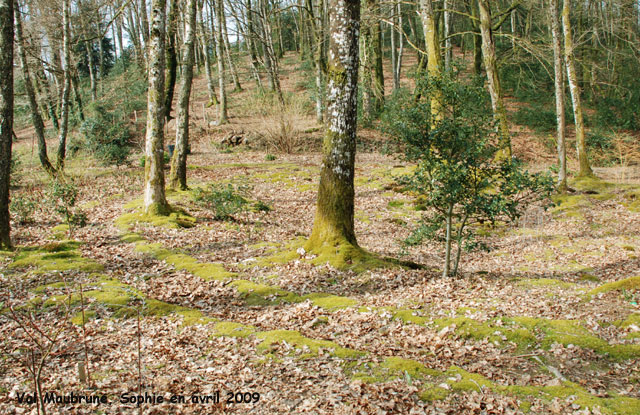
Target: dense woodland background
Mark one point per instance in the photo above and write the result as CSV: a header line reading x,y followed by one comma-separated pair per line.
x,y
328,206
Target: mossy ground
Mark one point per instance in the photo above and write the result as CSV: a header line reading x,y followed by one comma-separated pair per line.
x,y
54,257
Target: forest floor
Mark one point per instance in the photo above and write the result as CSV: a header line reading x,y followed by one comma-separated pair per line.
x,y
545,321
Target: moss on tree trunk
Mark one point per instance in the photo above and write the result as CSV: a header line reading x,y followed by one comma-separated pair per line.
x,y
333,225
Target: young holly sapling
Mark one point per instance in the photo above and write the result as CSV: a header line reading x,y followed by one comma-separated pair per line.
x,y
459,179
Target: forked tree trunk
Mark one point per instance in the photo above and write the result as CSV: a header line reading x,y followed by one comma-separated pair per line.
x,y
333,223
155,202
64,110
495,89
6,117
559,90
581,147
36,117
178,175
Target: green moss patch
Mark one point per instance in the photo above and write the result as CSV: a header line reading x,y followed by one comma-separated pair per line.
x,y
496,330
62,256
330,302
632,283
567,332
459,380
262,294
176,219
232,329
545,283
308,347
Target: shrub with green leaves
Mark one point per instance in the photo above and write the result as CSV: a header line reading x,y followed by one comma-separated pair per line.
x,y
106,137
23,206
223,201
458,177
63,197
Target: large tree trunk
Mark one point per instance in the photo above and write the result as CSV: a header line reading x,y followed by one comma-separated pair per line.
x,y
172,59
178,175
155,202
559,90
223,118
333,225
495,89
36,117
6,117
583,159
64,111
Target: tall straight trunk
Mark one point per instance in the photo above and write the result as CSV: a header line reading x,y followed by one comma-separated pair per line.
x,y
317,28
270,58
495,89
64,108
559,90
118,24
46,94
477,38
394,47
251,40
581,147
172,59
76,93
88,48
434,62
178,174
447,254
227,52
447,31
206,43
223,118
333,225
36,117
398,68
155,202
144,22
6,117
378,77
134,37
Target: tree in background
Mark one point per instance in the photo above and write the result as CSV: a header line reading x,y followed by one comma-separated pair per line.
x,y
574,88
178,174
155,201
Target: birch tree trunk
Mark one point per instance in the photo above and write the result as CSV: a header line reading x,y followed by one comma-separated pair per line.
x,y
222,101
36,117
333,225
64,110
495,89
155,202
447,31
559,91
178,174
581,147
6,117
